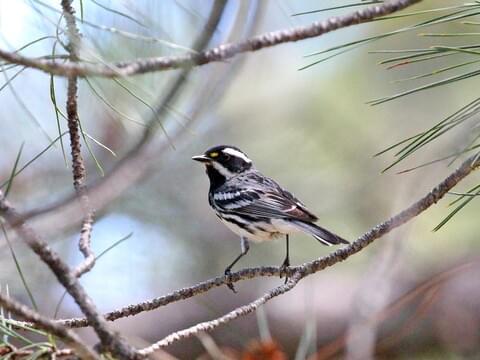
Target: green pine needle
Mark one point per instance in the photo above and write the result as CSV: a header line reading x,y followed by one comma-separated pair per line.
x,y
458,208
14,170
19,268
33,159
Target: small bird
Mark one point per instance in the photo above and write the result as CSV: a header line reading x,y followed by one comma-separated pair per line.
x,y
254,206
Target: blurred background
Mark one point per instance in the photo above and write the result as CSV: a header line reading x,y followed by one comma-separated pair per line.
x,y
311,130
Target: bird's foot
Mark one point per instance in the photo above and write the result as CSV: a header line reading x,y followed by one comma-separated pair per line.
x,y
284,269
228,274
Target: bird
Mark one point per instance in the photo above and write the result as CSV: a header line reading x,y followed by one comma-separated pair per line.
x,y
254,206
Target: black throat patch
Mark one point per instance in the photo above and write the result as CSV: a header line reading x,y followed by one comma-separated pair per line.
x,y
216,179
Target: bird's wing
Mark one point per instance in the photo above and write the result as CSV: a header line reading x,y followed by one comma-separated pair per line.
x,y
263,199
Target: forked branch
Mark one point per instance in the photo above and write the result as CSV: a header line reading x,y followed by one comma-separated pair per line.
x,y
68,277
65,276
301,271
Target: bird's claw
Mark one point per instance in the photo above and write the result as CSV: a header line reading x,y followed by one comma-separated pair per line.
x,y
228,274
284,269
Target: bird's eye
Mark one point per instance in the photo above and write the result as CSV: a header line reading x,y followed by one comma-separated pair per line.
x,y
226,157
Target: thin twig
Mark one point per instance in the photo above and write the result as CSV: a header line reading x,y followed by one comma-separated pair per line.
x,y
308,268
68,278
201,42
219,53
110,340
50,353
108,188
232,315
160,111
139,159
67,335
304,270
78,164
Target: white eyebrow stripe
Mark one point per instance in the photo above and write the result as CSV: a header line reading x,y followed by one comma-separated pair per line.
x,y
237,153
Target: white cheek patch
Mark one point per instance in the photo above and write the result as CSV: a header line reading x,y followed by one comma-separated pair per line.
x,y
237,153
222,170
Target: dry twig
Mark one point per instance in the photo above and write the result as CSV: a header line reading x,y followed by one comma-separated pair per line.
x,y
139,159
306,269
68,336
232,315
124,174
78,164
53,327
51,353
67,277
219,53
110,340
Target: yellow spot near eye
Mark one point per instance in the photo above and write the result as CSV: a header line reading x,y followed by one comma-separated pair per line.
x,y
213,154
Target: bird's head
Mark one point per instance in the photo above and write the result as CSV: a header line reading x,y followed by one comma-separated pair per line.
x,y
224,161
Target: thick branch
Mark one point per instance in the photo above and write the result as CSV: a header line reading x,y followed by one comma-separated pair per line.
x,y
67,336
65,276
219,53
200,43
306,269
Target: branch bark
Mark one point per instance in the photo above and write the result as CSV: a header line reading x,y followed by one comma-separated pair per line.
x,y
304,270
219,53
67,277
301,271
308,268
132,167
232,315
78,164
110,340
68,336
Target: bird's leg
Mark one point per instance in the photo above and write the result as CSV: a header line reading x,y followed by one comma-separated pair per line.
x,y
244,248
286,262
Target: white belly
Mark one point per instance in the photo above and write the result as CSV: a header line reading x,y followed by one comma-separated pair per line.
x,y
260,231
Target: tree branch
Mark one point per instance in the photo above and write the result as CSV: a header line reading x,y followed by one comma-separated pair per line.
x,y
78,164
306,269
139,159
122,175
14,353
232,315
219,53
51,326
65,276
18,222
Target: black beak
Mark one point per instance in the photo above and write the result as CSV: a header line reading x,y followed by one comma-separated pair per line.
x,y
201,158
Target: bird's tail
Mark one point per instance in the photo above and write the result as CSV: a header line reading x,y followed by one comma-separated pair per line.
x,y
323,235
